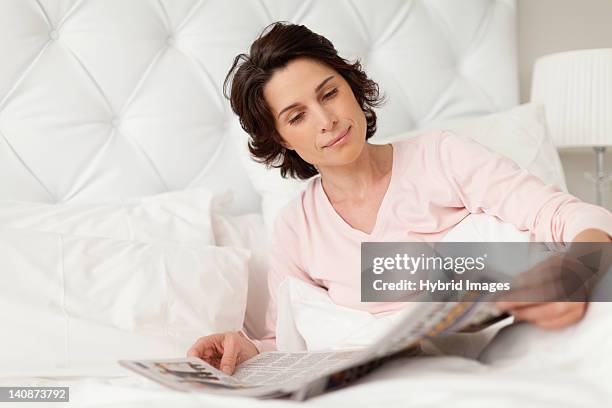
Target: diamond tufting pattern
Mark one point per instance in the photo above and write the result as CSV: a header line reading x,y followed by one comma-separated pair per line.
x,y
102,99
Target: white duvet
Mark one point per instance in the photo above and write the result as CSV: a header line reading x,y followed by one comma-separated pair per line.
x,y
523,376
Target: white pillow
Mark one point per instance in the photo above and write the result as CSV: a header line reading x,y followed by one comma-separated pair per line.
x,y
483,227
69,302
519,133
248,232
309,320
180,216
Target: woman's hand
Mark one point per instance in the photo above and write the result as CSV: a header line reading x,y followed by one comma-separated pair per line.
x,y
223,351
547,315
554,315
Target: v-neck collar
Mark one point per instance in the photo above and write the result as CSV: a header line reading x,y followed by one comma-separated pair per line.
x,y
381,209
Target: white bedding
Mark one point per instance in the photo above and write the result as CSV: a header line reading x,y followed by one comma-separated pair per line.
x,y
523,366
76,302
415,382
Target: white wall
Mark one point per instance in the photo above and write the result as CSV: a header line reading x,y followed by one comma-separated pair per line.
x,y
548,26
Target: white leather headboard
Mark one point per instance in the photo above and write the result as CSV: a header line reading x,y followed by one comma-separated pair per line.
x,y
119,98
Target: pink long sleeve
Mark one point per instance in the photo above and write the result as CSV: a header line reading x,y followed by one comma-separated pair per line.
x,y
490,183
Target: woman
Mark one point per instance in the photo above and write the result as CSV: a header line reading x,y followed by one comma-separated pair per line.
x,y
309,112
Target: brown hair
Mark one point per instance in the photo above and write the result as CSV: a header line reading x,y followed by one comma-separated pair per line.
x,y
272,51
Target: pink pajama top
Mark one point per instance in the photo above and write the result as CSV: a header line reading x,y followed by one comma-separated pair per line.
x,y
437,179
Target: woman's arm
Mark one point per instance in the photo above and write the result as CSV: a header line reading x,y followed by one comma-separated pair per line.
x,y
555,315
490,183
484,181
592,235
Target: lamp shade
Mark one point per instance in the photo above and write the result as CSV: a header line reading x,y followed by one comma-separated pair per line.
x,y
576,90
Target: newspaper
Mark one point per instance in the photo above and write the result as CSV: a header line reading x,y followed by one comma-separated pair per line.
x,y
301,375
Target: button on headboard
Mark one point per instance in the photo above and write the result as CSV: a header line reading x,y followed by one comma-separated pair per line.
x,y
112,98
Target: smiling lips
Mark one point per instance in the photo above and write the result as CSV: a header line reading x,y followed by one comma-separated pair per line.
x,y
339,138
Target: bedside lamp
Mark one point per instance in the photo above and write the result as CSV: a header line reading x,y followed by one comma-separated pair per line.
x,y
576,90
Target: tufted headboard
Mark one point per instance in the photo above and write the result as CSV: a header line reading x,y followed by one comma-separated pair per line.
x,y
102,99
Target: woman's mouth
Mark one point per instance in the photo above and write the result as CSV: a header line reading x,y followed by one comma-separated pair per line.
x,y
340,139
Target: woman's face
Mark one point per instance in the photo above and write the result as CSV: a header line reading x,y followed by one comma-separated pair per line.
x,y
313,107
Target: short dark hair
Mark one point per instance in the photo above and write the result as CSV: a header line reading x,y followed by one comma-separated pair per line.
x,y
278,44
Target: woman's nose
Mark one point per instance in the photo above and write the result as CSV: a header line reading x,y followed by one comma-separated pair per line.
x,y
328,120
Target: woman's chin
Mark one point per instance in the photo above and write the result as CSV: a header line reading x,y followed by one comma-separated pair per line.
x,y
349,154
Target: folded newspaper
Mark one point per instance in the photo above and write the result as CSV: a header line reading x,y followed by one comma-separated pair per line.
x,y
301,375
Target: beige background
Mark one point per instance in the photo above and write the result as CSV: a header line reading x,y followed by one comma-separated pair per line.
x,y
548,26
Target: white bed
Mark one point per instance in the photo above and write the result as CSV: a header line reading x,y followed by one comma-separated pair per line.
x,y
104,103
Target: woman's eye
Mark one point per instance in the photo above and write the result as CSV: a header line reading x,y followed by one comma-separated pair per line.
x,y
331,94
296,119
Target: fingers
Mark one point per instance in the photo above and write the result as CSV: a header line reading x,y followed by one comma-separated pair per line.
x,y
197,350
220,350
207,348
542,312
230,355
557,278
548,315
569,318
505,305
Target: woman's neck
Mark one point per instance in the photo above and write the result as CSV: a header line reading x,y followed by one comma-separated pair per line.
x,y
355,181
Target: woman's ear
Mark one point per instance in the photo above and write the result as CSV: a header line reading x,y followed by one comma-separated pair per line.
x,y
285,144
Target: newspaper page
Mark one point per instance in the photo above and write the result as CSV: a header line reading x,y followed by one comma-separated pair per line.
x,y
306,374
192,374
267,373
291,367
434,319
